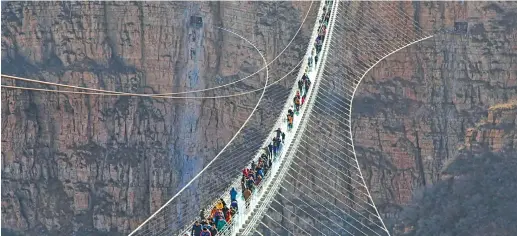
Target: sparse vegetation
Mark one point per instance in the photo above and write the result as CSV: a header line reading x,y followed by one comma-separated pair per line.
x,y
504,106
477,199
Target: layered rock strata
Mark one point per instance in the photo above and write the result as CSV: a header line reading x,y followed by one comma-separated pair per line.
x,y
419,103
475,192
85,164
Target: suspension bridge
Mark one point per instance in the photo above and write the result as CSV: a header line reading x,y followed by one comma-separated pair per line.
x,y
315,185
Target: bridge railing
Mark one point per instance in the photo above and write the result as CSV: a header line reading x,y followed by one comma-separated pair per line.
x,y
231,229
228,229
291,150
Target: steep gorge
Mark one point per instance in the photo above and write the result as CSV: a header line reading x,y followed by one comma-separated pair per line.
x,y
86,164
476,190
105,163
419,103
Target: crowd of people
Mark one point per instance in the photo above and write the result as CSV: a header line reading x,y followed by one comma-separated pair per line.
x,y
221,214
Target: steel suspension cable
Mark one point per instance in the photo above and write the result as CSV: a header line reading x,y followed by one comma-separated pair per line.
x,y
111,93
336,190
108,92
356,159
309,205
343,211
212,161
167,94
261,209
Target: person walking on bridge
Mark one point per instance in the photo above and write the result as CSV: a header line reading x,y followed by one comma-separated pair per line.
x,y
297,103
213,230
233,195
276,146
245,172
278,132
300,84
202,214
270,147
318,46
289,121
266,151
323,32
278,136
196,229
247,195
205,232
307,85
304,78
304,82
309,63
235,205
221,223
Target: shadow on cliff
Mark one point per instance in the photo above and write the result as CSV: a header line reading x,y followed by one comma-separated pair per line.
x,y
476,196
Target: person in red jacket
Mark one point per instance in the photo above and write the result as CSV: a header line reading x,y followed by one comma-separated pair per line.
x,y
228,217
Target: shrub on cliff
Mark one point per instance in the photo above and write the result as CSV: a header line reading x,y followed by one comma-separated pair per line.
x,y
476,198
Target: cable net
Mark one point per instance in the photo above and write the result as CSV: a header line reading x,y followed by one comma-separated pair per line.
x,y
323,191
178,215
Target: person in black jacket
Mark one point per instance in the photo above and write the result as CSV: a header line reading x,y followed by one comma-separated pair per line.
x,y
278,133
202,214
277,144
213,230
307,85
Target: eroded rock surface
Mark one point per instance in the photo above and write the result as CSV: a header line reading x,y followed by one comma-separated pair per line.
x,y
476,191
413,111
410,115
86,164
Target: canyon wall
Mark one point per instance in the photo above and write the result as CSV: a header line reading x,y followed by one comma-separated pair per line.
x,y
413,111
476,190
410,115
87,164
79,164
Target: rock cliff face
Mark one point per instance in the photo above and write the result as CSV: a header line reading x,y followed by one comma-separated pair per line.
x,y
476,191
74,165
85,164
420,102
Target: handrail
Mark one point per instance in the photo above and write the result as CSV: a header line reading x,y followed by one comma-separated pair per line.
x,y
310,103
230,229
280,121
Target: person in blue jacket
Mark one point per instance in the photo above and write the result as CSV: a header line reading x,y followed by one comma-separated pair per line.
x,y
196,229
233,195
205,232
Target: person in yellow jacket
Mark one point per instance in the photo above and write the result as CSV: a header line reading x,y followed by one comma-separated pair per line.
x,y
219,205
